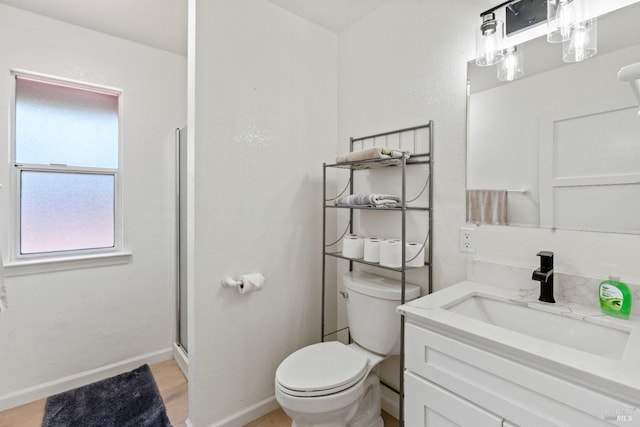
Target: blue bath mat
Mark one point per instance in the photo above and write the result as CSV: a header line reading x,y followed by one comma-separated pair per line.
x,y
131,399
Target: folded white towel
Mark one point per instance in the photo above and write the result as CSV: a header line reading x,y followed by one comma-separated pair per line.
x,y
3,290
371,153
369,199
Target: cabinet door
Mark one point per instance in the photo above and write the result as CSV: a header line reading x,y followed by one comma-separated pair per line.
x,y
429,405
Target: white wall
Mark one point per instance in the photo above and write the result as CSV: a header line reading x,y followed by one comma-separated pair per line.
x,y
63,325
265,120
403,65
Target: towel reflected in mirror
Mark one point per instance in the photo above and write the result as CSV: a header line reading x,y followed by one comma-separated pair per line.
x,y
487,207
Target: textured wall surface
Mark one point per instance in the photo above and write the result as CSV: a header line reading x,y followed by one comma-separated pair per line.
x,y
61,324
401,66
265,120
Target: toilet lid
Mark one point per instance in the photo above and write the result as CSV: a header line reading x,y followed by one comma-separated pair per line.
x,y
321,369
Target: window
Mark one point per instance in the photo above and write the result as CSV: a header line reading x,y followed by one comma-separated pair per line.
x,y
66,151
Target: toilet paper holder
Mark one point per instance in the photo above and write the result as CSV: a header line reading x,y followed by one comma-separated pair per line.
x,y
229,282
248,282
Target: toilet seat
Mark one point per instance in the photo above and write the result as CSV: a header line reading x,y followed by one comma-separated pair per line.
x,y
321,369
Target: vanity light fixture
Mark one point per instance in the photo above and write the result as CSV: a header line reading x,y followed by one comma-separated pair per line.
x,y
512,65
489,39
566,23
519,15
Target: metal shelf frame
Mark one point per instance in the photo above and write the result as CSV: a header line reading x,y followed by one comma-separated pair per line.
x,y
374,264
403,163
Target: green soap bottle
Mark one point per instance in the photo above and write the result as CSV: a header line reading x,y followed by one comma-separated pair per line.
x,y
615,298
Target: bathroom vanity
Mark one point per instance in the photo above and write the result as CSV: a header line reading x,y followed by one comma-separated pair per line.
x,y
479,355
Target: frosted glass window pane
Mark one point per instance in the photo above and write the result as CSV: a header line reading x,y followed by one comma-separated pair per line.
x,y
64,125
66,211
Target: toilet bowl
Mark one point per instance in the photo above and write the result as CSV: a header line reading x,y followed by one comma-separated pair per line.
x,y
331,384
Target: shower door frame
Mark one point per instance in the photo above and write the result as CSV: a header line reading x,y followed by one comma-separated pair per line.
x,y
181,205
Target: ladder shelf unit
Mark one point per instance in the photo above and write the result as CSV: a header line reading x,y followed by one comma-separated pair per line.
x,y
403,164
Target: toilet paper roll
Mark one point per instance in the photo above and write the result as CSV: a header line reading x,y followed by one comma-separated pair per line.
x,y
372,249
391,253
415,251
251,282
353,247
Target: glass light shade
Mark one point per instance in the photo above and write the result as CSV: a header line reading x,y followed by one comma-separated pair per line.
x,y
512,65
489,40
583,42
562,15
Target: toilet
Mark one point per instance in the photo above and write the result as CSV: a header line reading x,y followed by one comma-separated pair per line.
x,y
331,384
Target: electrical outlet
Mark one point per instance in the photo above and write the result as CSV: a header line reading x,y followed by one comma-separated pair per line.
x,y
467,240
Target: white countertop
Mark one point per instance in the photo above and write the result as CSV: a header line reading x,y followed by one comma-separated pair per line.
x,y
617,377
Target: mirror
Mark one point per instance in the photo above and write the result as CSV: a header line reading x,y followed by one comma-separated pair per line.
x,y
560,147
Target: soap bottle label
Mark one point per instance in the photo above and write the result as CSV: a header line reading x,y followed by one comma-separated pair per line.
x,y
611,297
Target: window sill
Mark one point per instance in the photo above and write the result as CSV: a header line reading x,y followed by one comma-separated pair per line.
x,y
47,265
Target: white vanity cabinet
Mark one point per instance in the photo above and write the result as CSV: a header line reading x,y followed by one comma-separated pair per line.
x,y
427,404
449,382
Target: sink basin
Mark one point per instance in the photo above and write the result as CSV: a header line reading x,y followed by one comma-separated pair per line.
x,y
571,341
537,320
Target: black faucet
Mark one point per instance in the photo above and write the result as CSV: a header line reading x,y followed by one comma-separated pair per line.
x,y
544,275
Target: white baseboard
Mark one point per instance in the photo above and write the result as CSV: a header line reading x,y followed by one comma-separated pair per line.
x,y
249,414
389,401
181,359
40,391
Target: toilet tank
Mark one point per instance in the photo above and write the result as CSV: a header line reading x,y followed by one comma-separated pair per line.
x,y
374,323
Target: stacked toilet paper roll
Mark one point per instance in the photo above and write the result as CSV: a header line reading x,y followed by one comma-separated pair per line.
x,y
414,255
391,253
387,252
353,246
372,249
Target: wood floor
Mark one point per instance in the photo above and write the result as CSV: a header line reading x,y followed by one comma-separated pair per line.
x,y
173,389
278,418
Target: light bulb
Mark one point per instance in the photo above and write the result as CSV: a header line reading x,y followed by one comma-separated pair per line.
x,y
578,42
511,67
491,47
